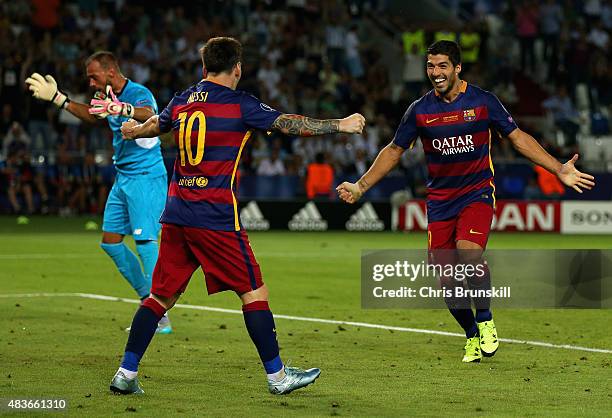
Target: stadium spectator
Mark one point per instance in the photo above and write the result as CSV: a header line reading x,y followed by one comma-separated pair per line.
x,y
551,17
598,36
565,116
527,20
16,140
351,48
319,178
549,184
470,41
45,14
413,37
271,166
414,71
269,78
6,118
93,189
335,36
20,177
445,35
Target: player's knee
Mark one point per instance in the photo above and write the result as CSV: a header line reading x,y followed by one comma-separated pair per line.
x,y
259,294
469,253
166,302
111,238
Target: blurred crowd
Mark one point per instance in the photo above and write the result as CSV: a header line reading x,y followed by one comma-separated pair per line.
x,y
547,61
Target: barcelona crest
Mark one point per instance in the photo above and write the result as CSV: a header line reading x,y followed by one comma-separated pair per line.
x,y
469,115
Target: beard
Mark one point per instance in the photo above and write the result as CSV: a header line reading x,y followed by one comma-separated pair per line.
x,y
450,84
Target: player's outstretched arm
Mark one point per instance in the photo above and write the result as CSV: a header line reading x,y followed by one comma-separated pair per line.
x,y
290,124
133,130
567,173
386,160
45,88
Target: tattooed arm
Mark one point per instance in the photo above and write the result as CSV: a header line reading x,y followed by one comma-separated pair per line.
x,y
304,126
386,160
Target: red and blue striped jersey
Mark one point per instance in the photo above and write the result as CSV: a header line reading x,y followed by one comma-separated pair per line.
x,y
456,139
211,124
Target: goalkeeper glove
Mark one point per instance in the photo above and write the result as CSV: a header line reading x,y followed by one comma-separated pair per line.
x,y
45,88
104,105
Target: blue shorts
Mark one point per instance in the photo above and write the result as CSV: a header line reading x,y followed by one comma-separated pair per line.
x,y
135,205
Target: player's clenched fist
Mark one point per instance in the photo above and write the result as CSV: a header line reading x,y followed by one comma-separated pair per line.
x,y
128,129
352,124
349,192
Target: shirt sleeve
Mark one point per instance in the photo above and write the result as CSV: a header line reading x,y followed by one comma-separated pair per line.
x,y
498,115
406,133
165,117
257,114
145,99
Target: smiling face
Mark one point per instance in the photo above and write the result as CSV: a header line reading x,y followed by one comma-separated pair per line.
x,y
442,73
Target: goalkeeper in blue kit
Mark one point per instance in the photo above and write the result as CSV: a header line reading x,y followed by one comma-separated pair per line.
x,y
137,198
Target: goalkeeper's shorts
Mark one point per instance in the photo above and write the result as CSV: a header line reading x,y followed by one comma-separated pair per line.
x,y
134,206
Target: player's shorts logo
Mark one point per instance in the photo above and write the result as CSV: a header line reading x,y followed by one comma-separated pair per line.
x,y
469,115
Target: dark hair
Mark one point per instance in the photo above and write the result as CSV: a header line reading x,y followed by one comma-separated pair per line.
x,y
449,48
221,54
106,59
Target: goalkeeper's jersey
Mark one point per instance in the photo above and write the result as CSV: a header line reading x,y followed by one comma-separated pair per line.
x,y
211,125
142,156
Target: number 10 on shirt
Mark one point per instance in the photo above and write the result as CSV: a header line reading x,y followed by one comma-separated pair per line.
x,y
185,130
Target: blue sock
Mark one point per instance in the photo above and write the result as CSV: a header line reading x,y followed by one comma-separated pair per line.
x,y
482,305
142,331
461,309
260,325
147,250
465,318
483,315
128,265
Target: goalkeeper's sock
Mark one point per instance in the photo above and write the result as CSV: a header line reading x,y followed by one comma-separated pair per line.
x,y
147,250
260,325
142,331
128,265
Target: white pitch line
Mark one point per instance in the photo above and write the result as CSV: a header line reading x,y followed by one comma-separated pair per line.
x,y
45,256
306,319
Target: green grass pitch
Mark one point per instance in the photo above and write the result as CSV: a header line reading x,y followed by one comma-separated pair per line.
x,y
69,347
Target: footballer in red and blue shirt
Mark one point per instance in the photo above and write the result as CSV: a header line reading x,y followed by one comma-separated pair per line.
x,y
211,122
454,122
